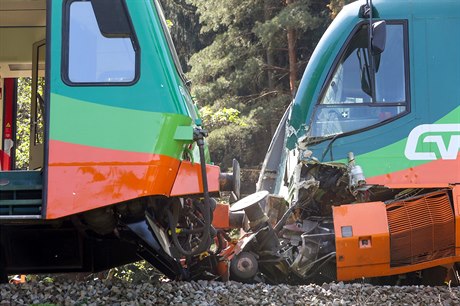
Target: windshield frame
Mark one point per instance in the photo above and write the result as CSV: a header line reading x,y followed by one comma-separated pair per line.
x,y
333,68
170,42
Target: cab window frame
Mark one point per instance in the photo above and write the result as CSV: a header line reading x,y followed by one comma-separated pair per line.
x,y
338,59
65,49
170,43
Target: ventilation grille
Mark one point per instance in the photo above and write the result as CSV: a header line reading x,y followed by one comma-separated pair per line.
x,y
421,229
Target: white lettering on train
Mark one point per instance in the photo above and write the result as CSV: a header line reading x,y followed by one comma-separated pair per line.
x,y
445,136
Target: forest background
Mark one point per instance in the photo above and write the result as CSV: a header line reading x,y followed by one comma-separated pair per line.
x,y
244,59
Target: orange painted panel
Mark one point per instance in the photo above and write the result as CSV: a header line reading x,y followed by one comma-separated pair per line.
x,y
369,222
456,197
82,178
357,272
221,216
438,173
367,218
188,180
366,239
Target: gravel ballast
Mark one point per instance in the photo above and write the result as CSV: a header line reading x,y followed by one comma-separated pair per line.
x,y
217,293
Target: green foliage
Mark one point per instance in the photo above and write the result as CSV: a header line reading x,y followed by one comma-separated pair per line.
x,y
230,141
230,134
183,24
297,15
220,118
22,142
336,5
23,121
242,137
136,272
244,69
226,70
215,15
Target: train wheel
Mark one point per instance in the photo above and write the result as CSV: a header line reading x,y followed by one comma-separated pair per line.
x,y
243,267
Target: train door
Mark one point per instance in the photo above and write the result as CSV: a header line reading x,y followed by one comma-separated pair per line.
x,y
22,69
37,107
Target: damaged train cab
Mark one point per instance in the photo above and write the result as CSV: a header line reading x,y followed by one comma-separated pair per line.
x,y
364,169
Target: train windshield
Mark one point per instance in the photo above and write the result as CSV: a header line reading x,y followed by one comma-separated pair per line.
x,y
346,104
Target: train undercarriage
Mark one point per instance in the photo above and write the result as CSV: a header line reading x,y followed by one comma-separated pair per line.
x,y
384,235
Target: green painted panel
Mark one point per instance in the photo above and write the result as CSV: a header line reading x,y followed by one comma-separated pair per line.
x,y
142,117
374,161
103,126
184,133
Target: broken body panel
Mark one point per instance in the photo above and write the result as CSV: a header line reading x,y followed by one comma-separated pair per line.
x,y
394,201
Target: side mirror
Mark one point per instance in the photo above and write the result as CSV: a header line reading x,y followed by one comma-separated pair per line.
x,y
379,37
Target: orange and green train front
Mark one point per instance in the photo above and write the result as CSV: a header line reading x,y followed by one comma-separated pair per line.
x,y
403,128
120,119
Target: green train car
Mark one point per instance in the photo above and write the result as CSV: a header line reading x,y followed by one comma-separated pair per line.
x,y
117,152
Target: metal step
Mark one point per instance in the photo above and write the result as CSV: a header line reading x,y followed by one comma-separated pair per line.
x,y
21,194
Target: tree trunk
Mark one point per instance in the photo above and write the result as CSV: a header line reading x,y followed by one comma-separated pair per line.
x,y
291,38
269,51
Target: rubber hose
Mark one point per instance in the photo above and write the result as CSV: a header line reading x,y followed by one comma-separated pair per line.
x,y
173,218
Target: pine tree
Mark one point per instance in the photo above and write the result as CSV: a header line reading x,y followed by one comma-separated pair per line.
x,y
336,5
252,66
185,29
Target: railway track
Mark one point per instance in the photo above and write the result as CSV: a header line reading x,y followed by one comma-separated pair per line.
x,y
203,293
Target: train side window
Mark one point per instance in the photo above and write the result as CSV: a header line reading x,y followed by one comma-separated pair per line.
x,y
101,46
346,104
